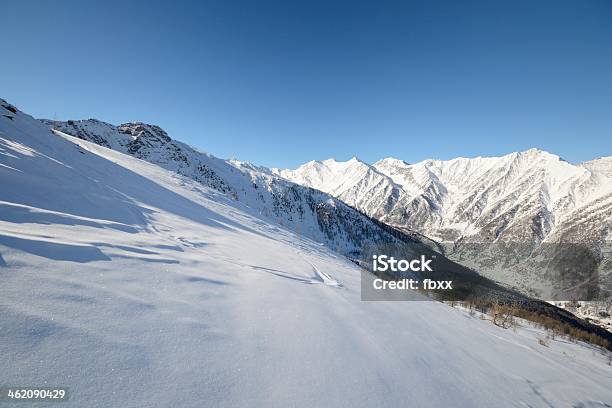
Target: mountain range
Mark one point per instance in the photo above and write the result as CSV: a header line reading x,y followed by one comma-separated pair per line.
x,y
532,202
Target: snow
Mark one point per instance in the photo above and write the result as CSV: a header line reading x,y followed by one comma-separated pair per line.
x,y
135,286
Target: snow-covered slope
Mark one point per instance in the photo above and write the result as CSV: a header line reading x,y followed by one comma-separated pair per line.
x,y
135,287
527,199
306,211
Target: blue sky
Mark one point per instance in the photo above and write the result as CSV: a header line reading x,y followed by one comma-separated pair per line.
x,y
282,83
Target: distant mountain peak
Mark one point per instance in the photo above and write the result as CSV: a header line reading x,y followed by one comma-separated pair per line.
x,y
390,161
535,152
333,162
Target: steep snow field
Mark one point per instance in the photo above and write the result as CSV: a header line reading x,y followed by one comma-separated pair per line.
x,y
138,287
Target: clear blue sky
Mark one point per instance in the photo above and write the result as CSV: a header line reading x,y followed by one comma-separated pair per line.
x,y
282,83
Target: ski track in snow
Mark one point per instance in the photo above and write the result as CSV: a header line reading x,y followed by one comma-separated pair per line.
x,y
318,278
322,277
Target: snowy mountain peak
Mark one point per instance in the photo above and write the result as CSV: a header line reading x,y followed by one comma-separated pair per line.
x,y
390,162
335,163
539,154
534,151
